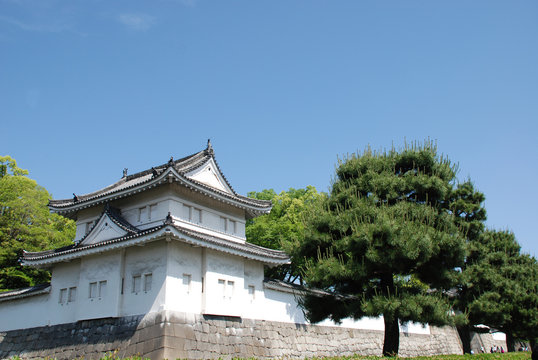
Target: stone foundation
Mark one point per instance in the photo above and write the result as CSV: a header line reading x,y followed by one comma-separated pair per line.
x,y
485,340
174,335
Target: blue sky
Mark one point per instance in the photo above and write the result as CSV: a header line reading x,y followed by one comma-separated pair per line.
x,y
282,88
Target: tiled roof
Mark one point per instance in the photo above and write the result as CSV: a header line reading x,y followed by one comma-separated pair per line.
x,y
169,228
22,293
153,177
28,257
242,247
283,286
116,217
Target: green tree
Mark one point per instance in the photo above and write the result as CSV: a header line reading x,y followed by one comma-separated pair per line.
x,y
25,223
466,203
283,228
502,287
385,241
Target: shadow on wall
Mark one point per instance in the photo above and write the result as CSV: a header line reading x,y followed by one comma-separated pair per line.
x,y
276,302
86,332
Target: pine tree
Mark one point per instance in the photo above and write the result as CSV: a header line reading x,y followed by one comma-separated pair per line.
x,y
502,287
385,241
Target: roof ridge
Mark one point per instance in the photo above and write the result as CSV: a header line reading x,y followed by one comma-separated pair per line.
x,y
128,178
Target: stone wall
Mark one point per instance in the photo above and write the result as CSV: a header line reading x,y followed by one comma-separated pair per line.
x,y
174,335
485,340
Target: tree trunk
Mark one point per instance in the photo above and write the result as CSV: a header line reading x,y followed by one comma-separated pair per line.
x,y
510,342
465,336
534,349
391,342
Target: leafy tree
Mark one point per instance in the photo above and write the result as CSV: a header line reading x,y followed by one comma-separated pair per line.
x,y
25,223
385,241
283,227
502,287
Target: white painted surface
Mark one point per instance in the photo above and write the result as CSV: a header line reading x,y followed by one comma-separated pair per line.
x,y
224,284
65,276
209,175
150,208
184,278
105,229
99,274
233,287
141,261
25,313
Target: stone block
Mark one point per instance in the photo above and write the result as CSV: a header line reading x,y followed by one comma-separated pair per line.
x,y
190,318
139,348
157,354
190,345
177,317
147,347
175,343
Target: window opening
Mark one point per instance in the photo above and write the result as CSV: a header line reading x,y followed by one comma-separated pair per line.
x,y
152,211
63,296
72,296
93,290
197,216
230,289
137,282
102,288
142,214
187,283
147,282
222,287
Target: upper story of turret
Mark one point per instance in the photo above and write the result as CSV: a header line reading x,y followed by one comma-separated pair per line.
x,y
193,191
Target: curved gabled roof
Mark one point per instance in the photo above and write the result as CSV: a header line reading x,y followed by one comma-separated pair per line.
x,y
168,229
173,170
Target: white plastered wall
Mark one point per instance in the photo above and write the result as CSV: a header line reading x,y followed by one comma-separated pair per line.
x,y
223,284
103,270
150,208
65,275
24,313
184,278
142,261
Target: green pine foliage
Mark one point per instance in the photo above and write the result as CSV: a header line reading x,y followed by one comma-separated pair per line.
x,y
502,286
385,241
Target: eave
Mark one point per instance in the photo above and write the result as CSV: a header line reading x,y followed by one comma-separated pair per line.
x,y
168,231
24,293
252,207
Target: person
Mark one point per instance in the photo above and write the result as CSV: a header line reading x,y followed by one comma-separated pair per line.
x,y
502,350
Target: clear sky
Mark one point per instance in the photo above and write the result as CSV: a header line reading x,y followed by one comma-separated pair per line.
x,y
282,88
